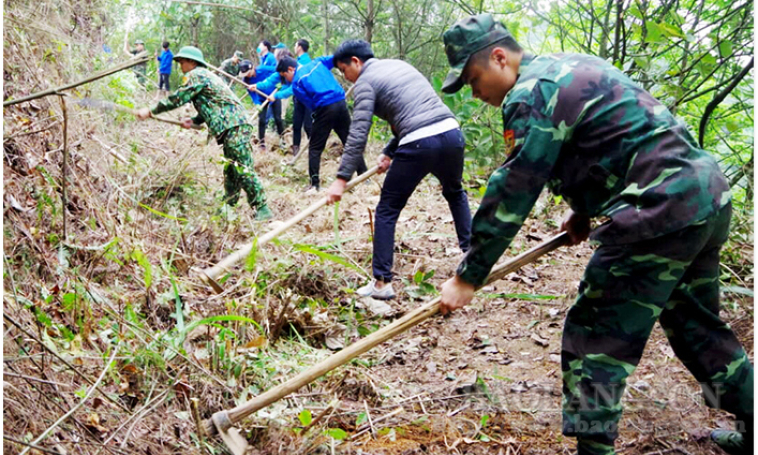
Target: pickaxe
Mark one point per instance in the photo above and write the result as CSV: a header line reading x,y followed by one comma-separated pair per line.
x,y
210,275
237,80
108,106
222,422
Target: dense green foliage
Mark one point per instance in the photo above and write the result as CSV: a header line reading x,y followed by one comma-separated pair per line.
x,y
693,55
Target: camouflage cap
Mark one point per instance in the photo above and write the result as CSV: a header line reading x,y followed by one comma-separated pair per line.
x,y
139,41
238,54
465,38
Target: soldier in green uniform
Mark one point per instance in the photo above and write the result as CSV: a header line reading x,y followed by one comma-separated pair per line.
x,y
140,71
226,119
231,66
579,126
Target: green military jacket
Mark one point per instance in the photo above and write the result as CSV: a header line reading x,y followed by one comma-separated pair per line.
x,y
213,100
579,126
228,66
142,67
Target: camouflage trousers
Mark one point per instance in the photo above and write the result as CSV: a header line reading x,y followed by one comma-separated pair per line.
x,y
673,279
238,170
141,74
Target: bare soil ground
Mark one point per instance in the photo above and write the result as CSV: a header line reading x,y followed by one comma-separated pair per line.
x,y
484,380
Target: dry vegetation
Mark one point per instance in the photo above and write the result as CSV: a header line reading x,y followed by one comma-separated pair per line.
x,y
117,284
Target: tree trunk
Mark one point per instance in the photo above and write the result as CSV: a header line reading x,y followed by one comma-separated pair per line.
x,y
194,26
368,25
326,27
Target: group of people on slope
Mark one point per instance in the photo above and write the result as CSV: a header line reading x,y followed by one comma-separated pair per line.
x,y
573,123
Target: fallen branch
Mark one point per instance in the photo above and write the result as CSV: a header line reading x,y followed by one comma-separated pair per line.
x,y
35,447
141,413
366,427
65,362
92,389
110,150
141,58
32,378
64,167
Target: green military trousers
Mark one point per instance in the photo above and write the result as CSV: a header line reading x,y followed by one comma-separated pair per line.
x,y
673,279
238,170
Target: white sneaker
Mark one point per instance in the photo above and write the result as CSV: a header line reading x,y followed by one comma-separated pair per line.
x,y
370,290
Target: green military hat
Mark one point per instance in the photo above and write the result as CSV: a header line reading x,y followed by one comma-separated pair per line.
x,y
464,39
139,41
238,54
191,53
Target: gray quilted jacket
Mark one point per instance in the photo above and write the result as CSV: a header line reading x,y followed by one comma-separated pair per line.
x,y
396,92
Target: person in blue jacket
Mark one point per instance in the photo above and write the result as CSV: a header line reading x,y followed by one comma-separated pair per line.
x,y
314,85
275,82
301,115
254,76
164,69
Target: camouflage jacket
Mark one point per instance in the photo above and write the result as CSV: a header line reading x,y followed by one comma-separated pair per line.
x,y
213,100
580,126
142,67
228,66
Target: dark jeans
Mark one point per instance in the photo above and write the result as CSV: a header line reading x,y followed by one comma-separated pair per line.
x,y
325,119
276,108
163,83
440,155
301,117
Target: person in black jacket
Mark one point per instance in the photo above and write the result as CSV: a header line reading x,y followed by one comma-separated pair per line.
x,y
427,140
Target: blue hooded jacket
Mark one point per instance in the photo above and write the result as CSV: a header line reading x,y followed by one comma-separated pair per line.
x,y
165,60
314,85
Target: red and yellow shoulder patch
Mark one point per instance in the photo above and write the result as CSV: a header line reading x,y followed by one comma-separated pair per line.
x,y
510,141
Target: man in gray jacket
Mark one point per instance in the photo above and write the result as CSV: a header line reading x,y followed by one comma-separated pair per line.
x,y
427,139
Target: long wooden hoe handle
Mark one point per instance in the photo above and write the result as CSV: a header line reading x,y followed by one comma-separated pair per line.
x,y
234,78
108,106
210,275
232,416
118,107
266,102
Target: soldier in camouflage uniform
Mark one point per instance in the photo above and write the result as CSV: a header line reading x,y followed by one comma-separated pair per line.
x,y
231,66
227,121
140,71
579,126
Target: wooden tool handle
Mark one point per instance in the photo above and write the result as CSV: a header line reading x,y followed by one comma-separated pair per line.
x,y
401,325
229,261
266,102
129,110
234,78
176,122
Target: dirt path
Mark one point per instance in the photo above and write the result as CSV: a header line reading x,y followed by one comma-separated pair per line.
x,y
498,358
